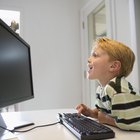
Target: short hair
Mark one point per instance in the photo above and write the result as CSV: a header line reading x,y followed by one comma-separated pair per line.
x,y
118,51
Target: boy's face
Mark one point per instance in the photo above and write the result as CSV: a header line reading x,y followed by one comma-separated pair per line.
x,y
98,64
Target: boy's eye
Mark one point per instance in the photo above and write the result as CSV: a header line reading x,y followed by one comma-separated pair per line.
x,y
94,54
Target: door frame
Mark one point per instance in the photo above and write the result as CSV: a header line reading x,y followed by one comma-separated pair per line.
x,y
111,32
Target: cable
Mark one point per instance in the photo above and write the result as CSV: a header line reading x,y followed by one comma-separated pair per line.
x,y
30,128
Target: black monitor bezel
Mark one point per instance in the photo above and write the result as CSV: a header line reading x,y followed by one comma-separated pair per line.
x,y
4,25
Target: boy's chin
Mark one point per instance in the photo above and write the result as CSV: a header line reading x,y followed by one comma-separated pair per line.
x,y
89,77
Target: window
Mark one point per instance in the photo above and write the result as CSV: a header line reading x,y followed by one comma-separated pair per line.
x,y
9,17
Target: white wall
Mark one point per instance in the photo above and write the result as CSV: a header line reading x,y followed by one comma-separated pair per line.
x,y
122,21
125,33
137,18
84,2
52,28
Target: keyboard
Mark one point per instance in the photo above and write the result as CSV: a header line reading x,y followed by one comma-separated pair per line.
x,y
85,128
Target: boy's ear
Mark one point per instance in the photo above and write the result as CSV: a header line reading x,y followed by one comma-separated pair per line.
x,y
115,66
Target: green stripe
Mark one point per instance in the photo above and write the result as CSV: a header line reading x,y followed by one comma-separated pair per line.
x,y
126,105
128,121
116,85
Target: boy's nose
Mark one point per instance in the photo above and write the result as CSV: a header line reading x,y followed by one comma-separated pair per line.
x,y
89,60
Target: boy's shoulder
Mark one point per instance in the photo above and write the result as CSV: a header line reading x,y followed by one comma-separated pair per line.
x,y
120,85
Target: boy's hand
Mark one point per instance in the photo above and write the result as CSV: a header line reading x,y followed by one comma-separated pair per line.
x,y
83,109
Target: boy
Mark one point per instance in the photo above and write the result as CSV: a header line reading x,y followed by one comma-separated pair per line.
x,y
117,103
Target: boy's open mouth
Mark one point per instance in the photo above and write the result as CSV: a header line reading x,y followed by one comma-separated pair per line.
x,y
90,67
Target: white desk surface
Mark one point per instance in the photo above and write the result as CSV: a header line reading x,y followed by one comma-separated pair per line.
x,y
58,131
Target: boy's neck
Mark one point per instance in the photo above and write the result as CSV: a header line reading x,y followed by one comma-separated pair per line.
x,y
104,82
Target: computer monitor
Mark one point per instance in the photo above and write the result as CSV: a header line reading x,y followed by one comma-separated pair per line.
x,y
16,83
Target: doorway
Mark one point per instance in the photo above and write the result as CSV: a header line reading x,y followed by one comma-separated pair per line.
x,y
96,22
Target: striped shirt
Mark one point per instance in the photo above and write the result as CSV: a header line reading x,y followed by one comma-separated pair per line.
x,y
121,101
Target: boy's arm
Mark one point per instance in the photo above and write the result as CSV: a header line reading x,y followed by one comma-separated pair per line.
x,y
106,119
93,113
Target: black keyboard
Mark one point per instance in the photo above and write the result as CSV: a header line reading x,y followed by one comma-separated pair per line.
x,y
85,128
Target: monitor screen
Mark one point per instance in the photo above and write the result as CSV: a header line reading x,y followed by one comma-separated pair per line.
x,y
15,68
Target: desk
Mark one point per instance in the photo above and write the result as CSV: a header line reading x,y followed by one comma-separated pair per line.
x,y
58,131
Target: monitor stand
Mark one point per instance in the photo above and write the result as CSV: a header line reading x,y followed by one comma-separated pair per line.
x,y
12,122
2,123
